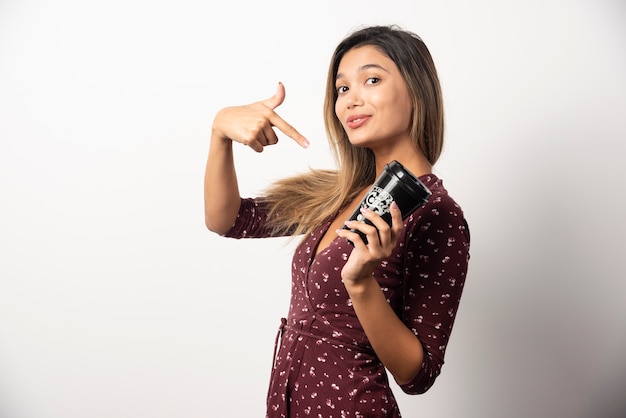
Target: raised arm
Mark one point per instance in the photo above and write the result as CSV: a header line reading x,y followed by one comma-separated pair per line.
x,y
251,125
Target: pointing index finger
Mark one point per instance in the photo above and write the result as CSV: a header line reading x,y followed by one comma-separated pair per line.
x,y
290,131
275,101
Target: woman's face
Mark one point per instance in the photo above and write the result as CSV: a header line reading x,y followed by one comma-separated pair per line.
x,y
373,103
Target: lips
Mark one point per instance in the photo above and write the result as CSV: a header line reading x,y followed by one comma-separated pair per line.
x,y
356,121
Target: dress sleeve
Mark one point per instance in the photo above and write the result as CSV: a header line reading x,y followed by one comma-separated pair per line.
x,y
251,220
435,269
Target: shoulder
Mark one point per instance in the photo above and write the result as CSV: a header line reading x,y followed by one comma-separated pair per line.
x,y
440,213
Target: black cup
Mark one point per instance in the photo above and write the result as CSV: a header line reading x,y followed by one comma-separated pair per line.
x,y
395,183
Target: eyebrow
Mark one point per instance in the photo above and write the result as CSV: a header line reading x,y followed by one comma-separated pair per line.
x,y
363,68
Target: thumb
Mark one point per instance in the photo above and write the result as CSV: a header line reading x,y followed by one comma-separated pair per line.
x,y
277,99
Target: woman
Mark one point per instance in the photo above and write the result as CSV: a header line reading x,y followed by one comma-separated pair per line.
x,y
356,309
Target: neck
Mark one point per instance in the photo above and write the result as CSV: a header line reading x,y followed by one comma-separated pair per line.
x,y
406,153
415,162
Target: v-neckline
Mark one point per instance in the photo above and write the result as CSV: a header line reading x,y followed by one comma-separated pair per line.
x,y
325,228
321,234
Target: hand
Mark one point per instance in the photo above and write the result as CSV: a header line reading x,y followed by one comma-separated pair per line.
x,y
381,238
252,124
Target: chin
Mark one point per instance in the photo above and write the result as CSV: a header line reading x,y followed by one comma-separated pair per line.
x,y
359,142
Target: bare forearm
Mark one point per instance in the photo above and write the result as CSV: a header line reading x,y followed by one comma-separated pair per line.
x,y
221,190
395,344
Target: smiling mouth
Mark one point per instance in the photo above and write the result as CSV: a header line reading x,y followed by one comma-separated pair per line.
x,y
358,121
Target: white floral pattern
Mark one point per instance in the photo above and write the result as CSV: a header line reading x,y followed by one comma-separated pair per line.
x,y
324,365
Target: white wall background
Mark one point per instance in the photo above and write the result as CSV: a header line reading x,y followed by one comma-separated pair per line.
x,y
115,302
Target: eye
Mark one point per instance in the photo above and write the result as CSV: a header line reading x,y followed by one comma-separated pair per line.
x,y
373,80
342,89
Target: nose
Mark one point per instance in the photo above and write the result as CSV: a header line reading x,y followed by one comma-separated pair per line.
x,y
353,98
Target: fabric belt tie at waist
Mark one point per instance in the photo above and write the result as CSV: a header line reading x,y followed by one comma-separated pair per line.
x,y
281,329
283,326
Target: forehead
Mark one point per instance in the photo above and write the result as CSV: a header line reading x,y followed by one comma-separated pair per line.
x,y
361,57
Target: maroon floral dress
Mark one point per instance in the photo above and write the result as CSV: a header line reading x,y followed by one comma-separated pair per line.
x,y
324,365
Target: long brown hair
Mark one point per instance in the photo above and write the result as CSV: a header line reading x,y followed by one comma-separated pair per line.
x,y
301,203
